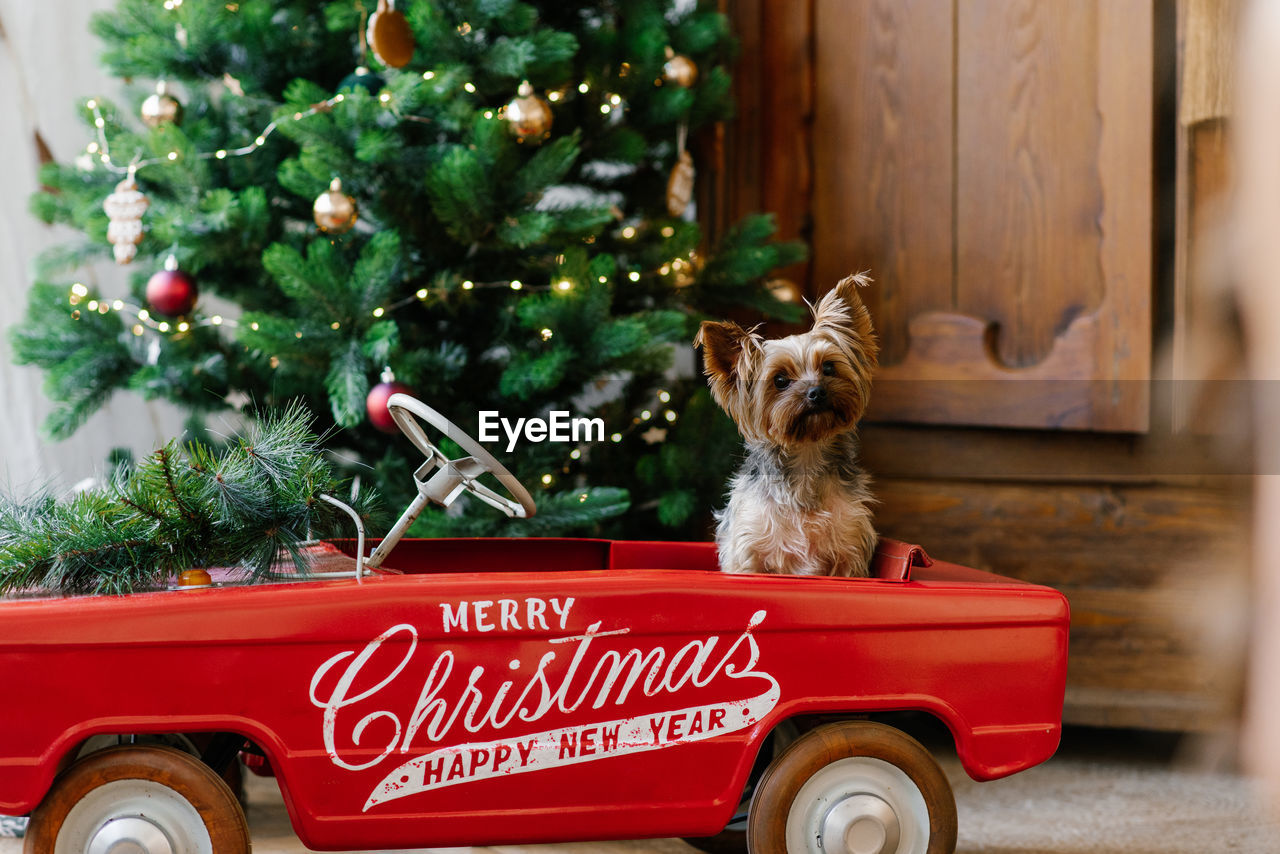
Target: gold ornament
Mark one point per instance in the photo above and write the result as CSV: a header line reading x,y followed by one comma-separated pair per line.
x,y
528,116
124,209
680,185
390,36
335,212
783,290
679,69
161,108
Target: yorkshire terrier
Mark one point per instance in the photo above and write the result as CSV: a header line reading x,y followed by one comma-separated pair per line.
x,y
800,504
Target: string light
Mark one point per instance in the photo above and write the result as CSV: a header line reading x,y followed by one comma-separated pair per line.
x,y
584,88
664,396
428,75
670,415
421,293
516,284
564,284
633,276
546,334
546,480
470,87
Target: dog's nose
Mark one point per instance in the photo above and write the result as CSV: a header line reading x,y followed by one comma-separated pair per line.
x,y
816,394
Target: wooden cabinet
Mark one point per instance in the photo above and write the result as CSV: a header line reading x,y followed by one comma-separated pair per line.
x,y
1004,170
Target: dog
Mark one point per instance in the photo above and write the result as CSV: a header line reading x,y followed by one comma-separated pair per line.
x,y
800,503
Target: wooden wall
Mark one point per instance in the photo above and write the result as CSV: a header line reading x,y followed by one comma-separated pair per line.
x,y
1000,168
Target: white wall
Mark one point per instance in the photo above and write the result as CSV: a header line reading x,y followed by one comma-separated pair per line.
x,y
48,61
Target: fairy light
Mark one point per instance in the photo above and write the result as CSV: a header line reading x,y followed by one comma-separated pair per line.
x,y
470,87
488,114
379,311
79,290
103,150
138,329
428,75
629,232
254,326
143,314
584,88
633,276
385,98
298,334
668,231
164,326
118,305
603,279
93,305
103,308
646,415
335,325
605,108
183,326
616,100
216,320
664,396
554,97
468,285
582,499
616,437
546,480
575,454
92,148
670,415
421,293
516,284
546,334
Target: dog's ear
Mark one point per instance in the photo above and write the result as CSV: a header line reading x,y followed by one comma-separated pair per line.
x,y
725,354
841,311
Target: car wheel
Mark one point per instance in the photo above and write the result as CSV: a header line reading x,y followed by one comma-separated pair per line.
x,y
853,788
149,799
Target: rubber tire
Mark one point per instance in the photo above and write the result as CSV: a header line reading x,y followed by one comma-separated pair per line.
x,y
767,821
192,779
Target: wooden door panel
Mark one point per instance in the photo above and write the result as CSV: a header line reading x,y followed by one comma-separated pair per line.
x,y
989,161
883,156
1029,193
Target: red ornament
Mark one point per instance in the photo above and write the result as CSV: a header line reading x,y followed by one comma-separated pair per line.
x,y
376,403
171,292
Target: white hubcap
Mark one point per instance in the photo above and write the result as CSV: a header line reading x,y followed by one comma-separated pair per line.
x,y
858,805
129,835
133,817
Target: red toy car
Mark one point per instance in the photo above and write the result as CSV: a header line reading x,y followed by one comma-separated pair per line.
x,y
500,691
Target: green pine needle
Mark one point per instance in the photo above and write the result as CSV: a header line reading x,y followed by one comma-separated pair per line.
x,y
250,507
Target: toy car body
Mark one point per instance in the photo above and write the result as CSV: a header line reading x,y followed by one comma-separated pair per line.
x,y
506,690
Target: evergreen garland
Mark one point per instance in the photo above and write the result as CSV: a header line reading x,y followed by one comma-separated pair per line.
x,y
251,506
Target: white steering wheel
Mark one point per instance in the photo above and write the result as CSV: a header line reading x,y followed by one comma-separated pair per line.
x,y
441,480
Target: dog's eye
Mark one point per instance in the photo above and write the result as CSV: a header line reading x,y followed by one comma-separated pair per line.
x,y
781,381
828,369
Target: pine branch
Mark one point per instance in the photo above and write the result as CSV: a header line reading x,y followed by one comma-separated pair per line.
x,y
251,507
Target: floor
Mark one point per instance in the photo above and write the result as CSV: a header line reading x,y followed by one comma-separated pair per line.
x,y
1103,792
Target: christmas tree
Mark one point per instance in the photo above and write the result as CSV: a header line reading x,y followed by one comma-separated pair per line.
x,y
485,202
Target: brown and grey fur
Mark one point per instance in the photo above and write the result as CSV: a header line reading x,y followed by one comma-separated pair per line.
x,y
800,504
